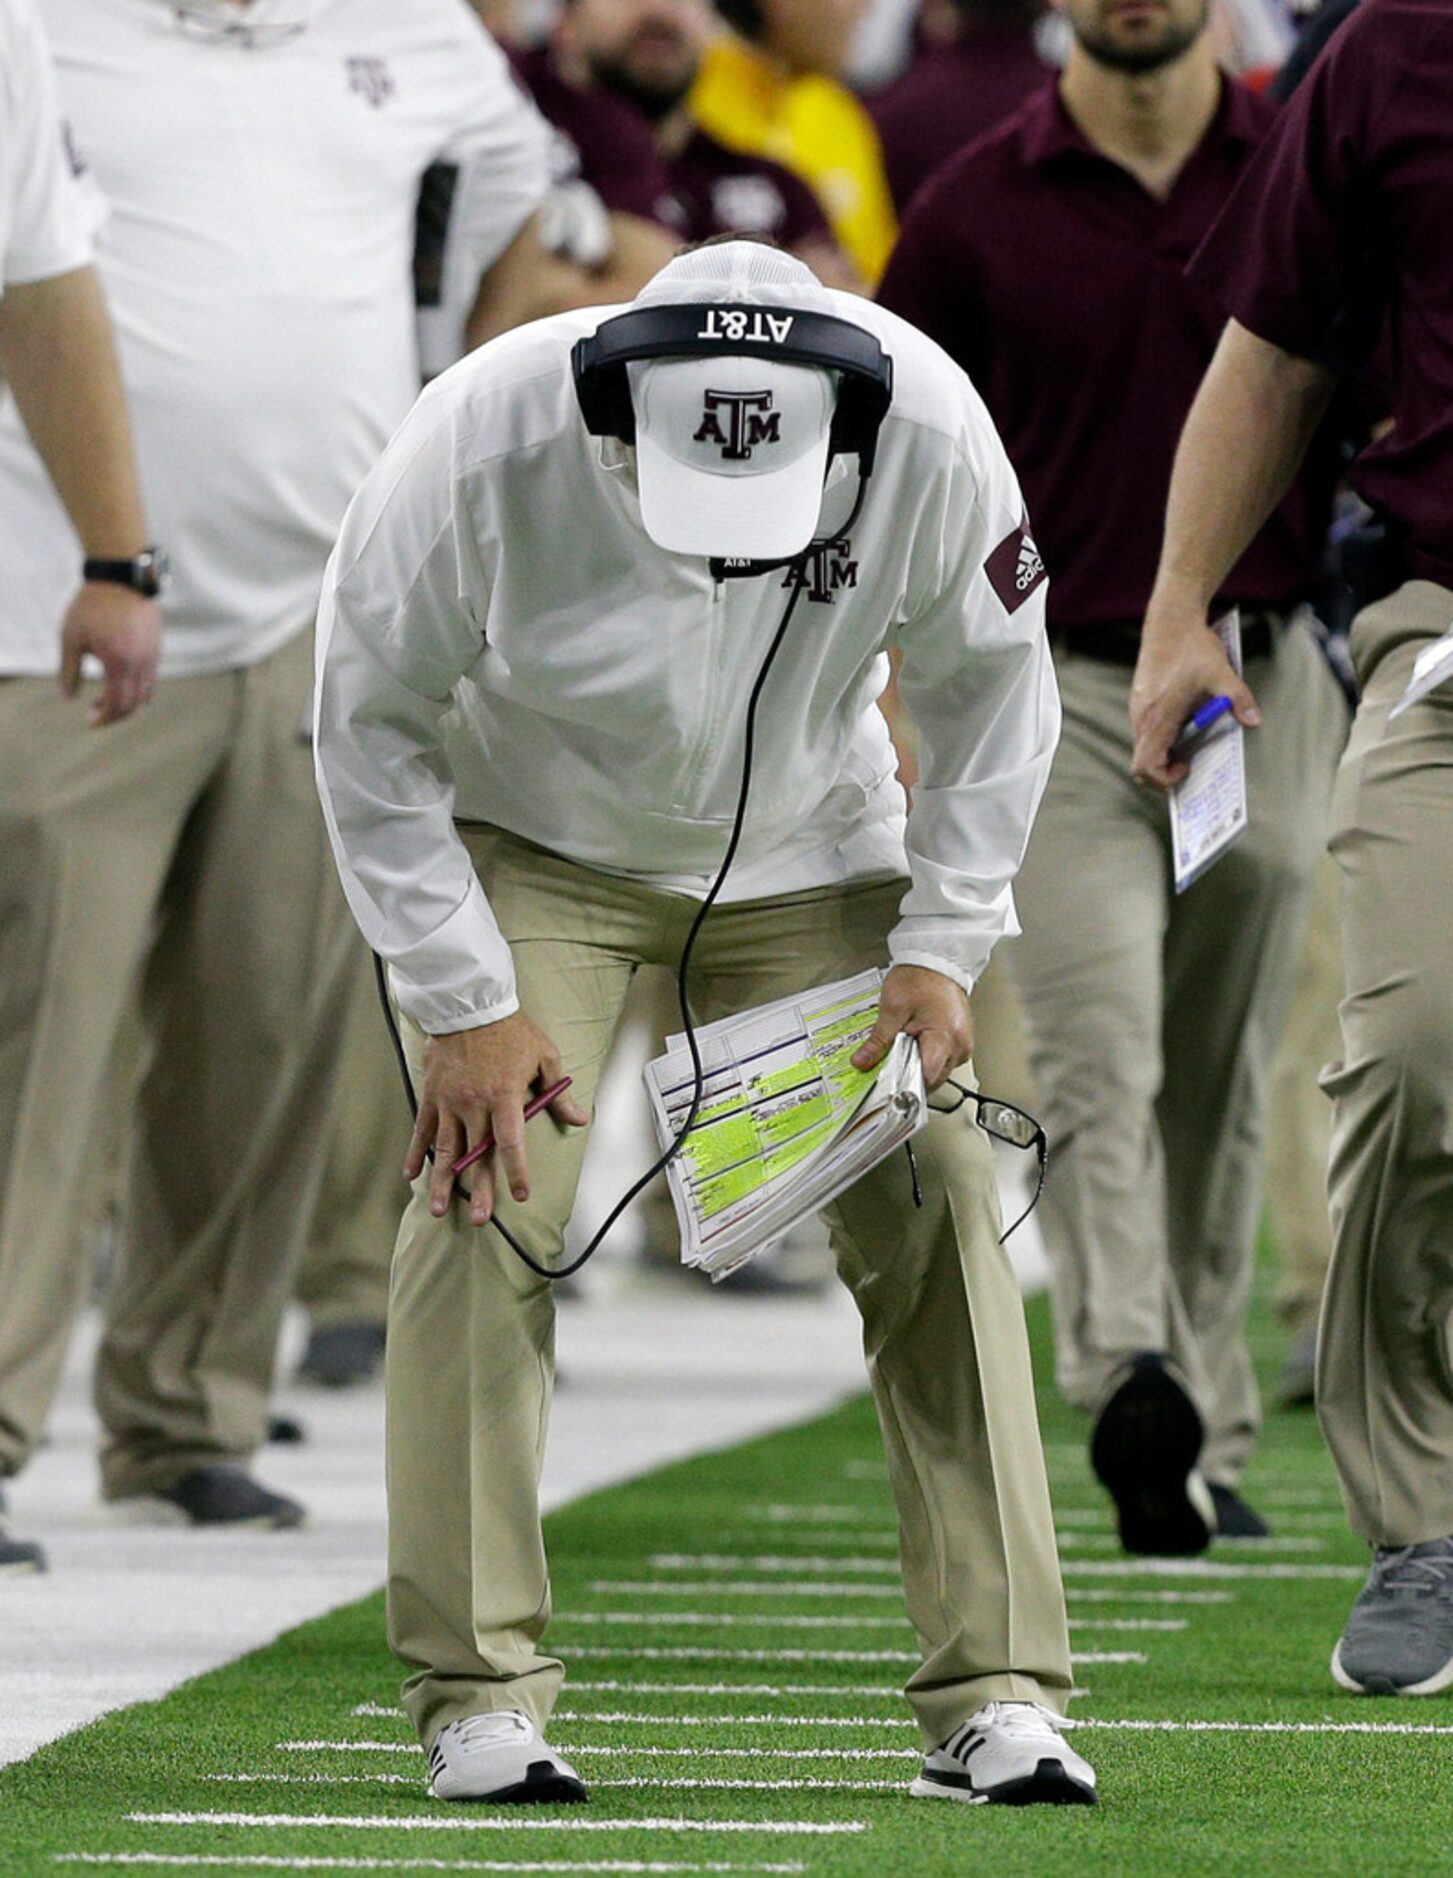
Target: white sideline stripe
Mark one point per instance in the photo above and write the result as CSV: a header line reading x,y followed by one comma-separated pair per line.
x,y
766,1562
1267,1728
687,1653
1081,1539
615,1717
1205,1568
1086,1596
266,1861
650,1753
744,1588
843,1588
809,1515
411,1822
656,1781
705,1620
804,1688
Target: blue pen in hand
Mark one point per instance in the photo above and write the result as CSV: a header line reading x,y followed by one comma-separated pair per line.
x,y
1208,714
1193,734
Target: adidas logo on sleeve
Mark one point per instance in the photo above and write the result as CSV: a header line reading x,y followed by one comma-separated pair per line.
x,y
1015,568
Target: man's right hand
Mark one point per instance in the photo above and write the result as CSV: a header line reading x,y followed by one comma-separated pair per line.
x,y
1182,663
123,631
477,1082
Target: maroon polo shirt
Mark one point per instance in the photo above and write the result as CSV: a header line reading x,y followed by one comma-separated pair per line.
x,y
1058,283
604,140
717,191
950,98
1350,199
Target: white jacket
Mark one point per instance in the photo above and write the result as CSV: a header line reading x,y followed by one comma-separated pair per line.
x,y
501,642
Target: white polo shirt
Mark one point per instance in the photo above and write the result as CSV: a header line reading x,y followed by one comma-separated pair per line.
x,y
45,220
257,256
500,640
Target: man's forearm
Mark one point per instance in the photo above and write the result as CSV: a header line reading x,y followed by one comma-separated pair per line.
x,y
1244,439
57,351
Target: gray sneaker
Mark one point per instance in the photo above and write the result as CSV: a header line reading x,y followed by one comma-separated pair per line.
x,y
1399,1635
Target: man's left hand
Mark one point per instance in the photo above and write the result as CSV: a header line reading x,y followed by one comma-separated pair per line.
x,y
930,1007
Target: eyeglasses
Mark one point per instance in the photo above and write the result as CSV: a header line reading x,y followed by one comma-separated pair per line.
x,y
203,21
1001,1121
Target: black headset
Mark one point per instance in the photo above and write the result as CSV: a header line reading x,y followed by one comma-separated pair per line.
x,y
753,330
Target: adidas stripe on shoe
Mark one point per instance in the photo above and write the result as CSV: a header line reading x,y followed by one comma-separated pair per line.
x,y
1007,1754
501,1758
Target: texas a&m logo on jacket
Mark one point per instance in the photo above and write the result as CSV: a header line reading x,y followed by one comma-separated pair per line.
x,y
825,572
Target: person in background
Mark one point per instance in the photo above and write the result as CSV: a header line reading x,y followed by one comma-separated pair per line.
x,y
648,53
58,358
1338,232
957,92
611,192
772,86
260,284
1153,1017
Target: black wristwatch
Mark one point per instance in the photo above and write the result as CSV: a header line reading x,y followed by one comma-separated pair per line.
x,y
145,573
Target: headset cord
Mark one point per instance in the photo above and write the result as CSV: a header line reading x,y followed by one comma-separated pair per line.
x,y
797,581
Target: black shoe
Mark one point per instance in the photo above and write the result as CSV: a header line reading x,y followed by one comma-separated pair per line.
x,y
1144,1449
18,1555
1234,1518
223,1495
343,1355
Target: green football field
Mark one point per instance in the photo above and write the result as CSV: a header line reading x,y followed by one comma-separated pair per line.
x,y
734,1636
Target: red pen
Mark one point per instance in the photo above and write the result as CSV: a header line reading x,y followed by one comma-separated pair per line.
x,y
532,1109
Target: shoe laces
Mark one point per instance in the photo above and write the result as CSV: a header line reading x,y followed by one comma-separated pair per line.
x,y
492,1728
1017,1718
1423,1569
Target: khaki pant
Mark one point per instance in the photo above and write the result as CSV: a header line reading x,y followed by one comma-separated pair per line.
x,y
1385,1355
471,1332
181,850
1299,1124
1153,1022
344,1275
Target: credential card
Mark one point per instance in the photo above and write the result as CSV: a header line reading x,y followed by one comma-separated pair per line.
x,y
1208,808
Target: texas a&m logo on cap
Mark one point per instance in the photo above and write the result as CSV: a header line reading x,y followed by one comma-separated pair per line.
x,y
739,421
1016,567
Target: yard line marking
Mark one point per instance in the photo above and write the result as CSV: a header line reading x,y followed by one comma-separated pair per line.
x,y
266,1861
806,1515
765,1562
650,1753
1266,1728
688,1653
1206,1568
747,1587
656,1781
615,1717
712,1619
1147,1597
881,1690
414,1822
1081,1539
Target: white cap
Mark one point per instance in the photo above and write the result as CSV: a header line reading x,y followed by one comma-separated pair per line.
x,y
732,451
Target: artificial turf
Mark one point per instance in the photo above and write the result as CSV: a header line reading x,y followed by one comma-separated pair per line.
x,y
1174,1802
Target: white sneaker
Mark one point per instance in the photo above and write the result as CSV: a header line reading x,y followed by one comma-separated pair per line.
x,y
499,1756
1011,1753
